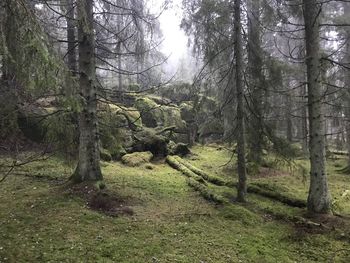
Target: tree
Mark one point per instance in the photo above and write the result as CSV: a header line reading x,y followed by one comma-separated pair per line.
x,y
255,63
318,199
88,168
238,49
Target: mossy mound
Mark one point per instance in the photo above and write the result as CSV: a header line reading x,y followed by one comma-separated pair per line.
x,y
159,115
187,111
30,120
117,124
137,158
149,140
180,149
150,112
105,155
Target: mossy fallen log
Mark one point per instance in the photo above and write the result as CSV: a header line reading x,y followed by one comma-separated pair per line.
x,y
192,171
206,176
205,192
173,162
276,196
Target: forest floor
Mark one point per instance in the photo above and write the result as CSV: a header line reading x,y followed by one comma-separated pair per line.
x,y
153,215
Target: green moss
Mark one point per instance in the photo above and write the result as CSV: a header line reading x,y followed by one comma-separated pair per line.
x,y
239,213
41,222
206,176
105,155
205,191
137,158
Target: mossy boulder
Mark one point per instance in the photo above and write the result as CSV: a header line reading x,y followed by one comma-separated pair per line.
x,y
137,158
118,152
117,124
187,112
180,149
149,140
31,118
105,155
150,112
158,115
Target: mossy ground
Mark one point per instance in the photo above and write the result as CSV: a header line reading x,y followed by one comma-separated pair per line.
x,y
41,222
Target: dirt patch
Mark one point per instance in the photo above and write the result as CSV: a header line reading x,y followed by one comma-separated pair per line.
x,y
103,201
109,205
321,224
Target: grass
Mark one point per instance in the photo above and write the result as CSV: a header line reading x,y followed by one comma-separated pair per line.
x,y
41,222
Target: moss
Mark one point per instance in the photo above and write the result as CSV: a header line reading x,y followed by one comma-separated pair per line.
x,y
137,158
105,155
253,188
205,191
180,149
149,140
155,115
41,222
150,112
239,213
173,162
210,178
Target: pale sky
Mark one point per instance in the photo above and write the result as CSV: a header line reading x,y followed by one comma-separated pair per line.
x,y
174,39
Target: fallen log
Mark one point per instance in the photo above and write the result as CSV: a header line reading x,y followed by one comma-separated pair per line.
x,y
206,176
180,167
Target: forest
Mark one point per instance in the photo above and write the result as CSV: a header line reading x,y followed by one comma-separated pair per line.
x,y
115,150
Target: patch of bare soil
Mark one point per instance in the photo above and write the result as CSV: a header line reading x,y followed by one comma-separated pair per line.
x,y
320,224
103,201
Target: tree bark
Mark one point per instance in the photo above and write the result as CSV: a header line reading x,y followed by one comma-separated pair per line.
x,y
289,122
304,129
71,52
255,80
241,164
88,168
347,83
319,200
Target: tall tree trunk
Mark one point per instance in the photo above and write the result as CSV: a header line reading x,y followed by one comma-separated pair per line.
x,y
304,129
289,122
238,48
347,82
319,200
71,53
119,51
255,80
88,168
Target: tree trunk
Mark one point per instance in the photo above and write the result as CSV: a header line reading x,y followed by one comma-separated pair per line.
x,y
304,130
319,200
347,83
71,52
255,80
238,48
289,122
88,168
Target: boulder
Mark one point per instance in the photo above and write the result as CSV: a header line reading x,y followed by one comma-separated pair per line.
x,y
149,140
137,158
105,155
180,149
